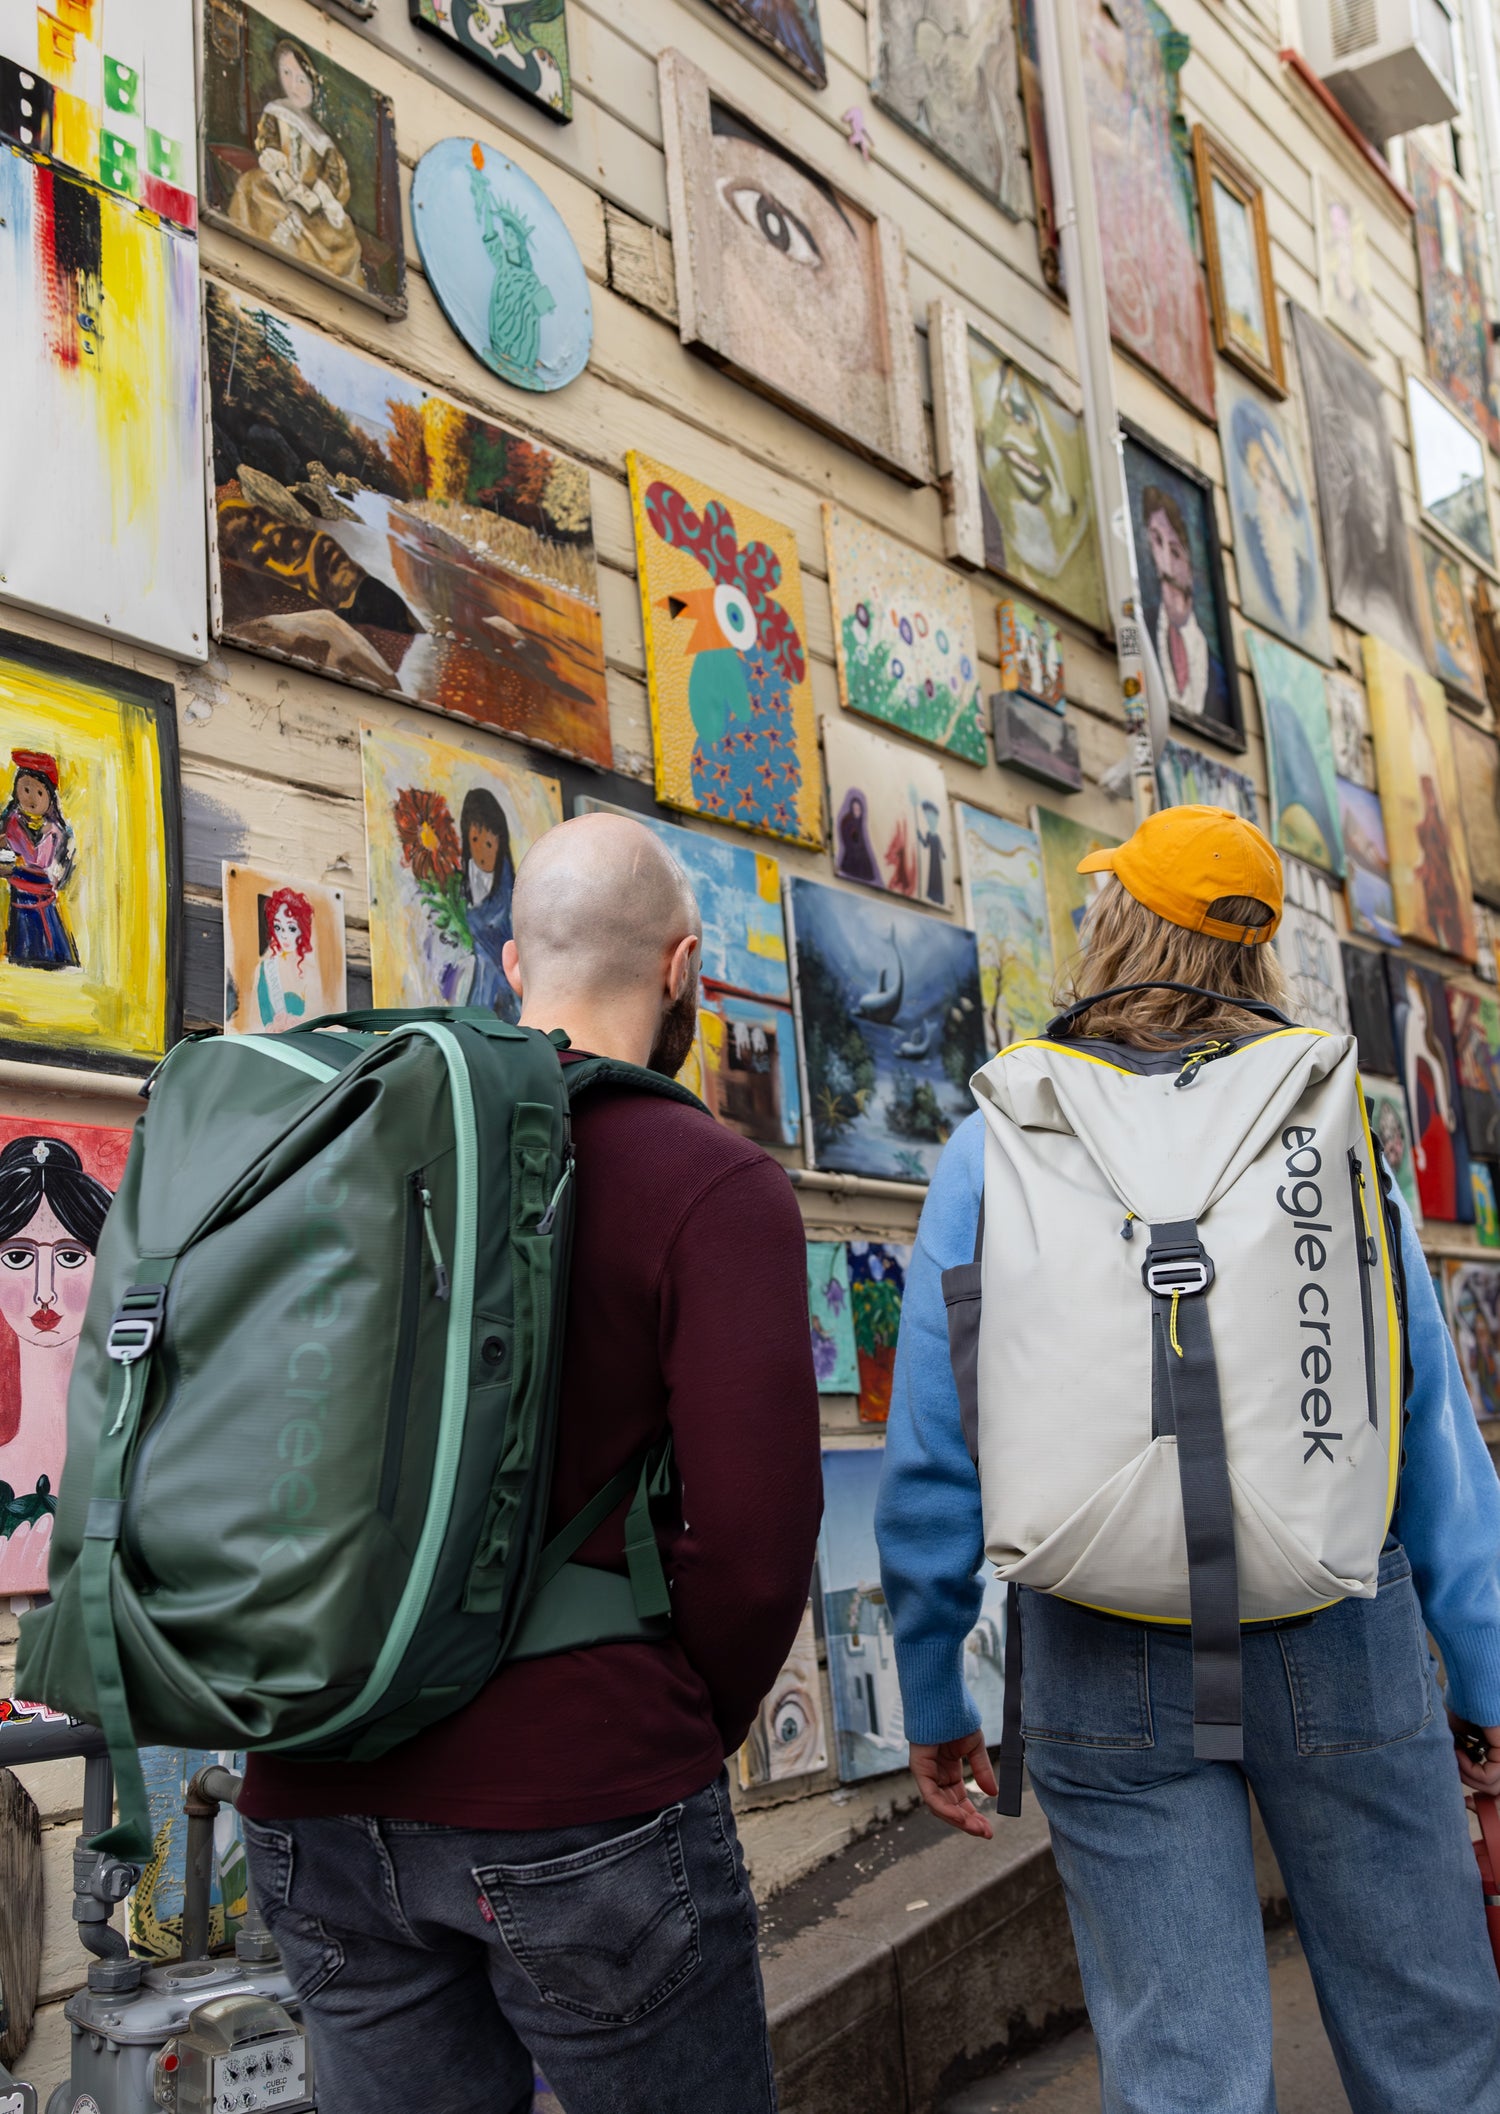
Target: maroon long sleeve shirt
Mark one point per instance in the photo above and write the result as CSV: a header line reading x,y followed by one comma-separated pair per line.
x,y
688,1307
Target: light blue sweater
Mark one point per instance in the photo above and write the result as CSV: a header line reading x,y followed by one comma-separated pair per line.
x,y
932,1535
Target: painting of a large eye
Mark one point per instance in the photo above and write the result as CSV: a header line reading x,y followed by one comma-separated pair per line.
x,y
17,1258
71,1258
794,1730
736,618
770,218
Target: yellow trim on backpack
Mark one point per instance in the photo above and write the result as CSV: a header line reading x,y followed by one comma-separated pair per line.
x,y
1182,1622
1066,1049
1395,1407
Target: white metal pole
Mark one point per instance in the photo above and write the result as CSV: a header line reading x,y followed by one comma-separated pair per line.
x,y
1061,66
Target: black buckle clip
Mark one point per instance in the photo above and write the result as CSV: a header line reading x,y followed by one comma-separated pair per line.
x,y
137,1323
1178,1272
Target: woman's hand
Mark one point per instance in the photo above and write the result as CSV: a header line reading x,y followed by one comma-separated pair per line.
x,y
1476,1775
939,1772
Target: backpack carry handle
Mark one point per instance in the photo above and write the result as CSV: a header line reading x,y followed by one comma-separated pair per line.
x,y
1241,1005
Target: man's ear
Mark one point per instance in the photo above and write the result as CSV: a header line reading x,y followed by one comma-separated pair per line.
x,y
680,965
510,962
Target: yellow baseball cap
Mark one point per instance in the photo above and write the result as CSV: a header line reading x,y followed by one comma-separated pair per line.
x,y
1182,859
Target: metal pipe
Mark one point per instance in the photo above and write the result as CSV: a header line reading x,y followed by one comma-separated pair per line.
x,y
208,1790
853,1185
1060,61
43,1742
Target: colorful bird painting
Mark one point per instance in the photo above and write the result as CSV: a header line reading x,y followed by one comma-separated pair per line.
x,y
745,659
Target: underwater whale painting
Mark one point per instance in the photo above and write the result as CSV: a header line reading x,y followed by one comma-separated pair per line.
x,y
890,1029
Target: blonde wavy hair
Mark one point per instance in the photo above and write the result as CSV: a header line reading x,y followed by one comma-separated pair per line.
x,y
1125,943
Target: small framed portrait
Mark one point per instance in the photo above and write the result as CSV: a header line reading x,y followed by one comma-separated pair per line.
x,y
1449,459
1183,603
1452,649
1346,291
786,280
299,156
1238,250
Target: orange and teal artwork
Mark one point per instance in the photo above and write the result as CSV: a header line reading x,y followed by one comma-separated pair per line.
x,y
90,860
505,270
524,43
386,536
877,1286
726,657
100,420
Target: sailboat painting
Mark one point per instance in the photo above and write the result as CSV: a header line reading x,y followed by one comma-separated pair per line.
x,y
890,1030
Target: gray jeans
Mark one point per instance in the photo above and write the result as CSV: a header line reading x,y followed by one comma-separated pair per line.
x,y
435,1963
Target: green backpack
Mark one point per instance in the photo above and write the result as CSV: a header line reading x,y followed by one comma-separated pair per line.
x,y
313,1412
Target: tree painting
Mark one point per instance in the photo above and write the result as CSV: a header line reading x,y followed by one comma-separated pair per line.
x,y
877,1281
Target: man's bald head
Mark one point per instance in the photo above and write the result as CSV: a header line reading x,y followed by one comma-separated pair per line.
x,y
599,906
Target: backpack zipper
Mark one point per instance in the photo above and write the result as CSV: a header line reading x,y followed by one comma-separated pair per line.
x,y
418,1218
1369,1255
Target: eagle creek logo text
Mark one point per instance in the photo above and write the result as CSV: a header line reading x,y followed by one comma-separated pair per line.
x,y
1302,1201
321,1243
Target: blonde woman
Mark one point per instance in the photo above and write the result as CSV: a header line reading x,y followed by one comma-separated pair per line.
x,y
1345,1744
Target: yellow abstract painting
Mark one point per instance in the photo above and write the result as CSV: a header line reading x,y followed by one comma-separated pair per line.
x,y
1419,800
726,658
89,858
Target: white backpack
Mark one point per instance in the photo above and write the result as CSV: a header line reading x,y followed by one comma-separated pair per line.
x,y
1180,1348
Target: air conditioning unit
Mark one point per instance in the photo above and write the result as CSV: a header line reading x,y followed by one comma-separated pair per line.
x,y
1393,64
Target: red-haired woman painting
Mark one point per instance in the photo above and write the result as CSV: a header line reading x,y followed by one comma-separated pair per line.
x,y
285,970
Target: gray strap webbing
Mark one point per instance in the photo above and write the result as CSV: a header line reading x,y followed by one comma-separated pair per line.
x,y
962,1288
1192,1380
1012,1757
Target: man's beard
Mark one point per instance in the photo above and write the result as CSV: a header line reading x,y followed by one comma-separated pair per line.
x,y
674,1037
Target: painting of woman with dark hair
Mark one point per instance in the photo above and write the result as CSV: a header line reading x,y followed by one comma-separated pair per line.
x,y
489,880
297,197
37,856
51,1213
1438,1144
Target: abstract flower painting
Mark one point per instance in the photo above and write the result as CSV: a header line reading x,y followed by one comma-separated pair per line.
x,y
726,658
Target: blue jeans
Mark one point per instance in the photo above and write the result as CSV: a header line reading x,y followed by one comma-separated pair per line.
x,y
434,1963
1349,1756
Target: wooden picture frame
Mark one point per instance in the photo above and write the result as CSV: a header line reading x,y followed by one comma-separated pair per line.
x,y
107,737
735,243
1225,723
1445,513
1231,259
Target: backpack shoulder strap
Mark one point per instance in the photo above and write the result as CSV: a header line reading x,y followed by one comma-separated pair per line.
x,y
635,1078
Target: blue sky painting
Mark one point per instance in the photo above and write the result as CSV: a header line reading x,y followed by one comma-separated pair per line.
x,y
891,1028
739,894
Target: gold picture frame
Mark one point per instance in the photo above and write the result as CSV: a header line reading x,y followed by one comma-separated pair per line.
x,y
1241,289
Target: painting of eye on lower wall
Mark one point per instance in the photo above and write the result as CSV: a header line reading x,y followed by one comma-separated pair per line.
x,y
299,156
790,27
904,634
1471,1297
386,536
445,830
877,1286
1183,603
1005,904
891,1029
1069,893
101,426
283,951
1299,753
1474,1017
788,1737
890,815
1429,1074
1278,563
1419,800
785,279
1018,497
90,860
1370,583
524,43
869,1722
952,76
1455,315
1188,778
726,660
57,1181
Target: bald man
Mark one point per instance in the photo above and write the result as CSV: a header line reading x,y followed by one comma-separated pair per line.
x,y
553,1872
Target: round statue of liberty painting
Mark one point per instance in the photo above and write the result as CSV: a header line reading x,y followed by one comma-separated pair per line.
x,y
502,264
